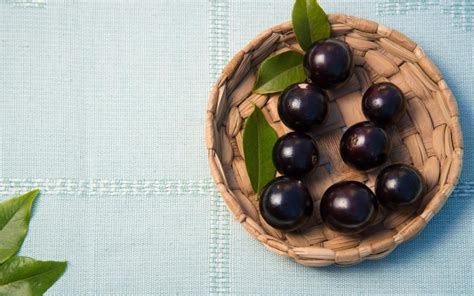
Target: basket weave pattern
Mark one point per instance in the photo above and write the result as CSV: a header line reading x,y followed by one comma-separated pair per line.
x,y
428,137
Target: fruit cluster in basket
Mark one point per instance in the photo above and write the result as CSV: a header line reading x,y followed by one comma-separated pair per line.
x,y
348,206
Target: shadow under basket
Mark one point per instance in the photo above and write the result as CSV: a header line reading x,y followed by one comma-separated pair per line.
x,y
428,136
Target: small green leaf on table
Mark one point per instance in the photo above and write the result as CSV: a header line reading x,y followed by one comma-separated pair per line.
x,y
14,219
27,276
258,140
310,23
278,72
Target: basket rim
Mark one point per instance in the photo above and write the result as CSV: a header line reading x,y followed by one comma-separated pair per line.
x,y
320,256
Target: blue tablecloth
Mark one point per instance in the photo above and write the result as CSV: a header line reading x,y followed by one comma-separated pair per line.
x,y
103,107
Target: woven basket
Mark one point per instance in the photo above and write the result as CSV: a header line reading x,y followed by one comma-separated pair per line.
x,y
428,136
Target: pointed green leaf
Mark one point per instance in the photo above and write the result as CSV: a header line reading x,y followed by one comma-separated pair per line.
x,y
278,72
14,219
27,276
310,22
258,141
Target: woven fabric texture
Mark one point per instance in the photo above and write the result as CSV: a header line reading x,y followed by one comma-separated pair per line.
x,y
103,107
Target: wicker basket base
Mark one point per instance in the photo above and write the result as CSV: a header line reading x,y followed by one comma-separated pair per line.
x,y
428,136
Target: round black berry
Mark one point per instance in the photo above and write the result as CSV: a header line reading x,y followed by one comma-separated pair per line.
x,y
399,185
364,146
383,103
295,154
328,63
348,206
302,106
285,203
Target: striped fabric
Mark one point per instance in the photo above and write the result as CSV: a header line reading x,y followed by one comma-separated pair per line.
x,y
103,108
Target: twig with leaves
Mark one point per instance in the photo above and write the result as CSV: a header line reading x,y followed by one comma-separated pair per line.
x,y
22,275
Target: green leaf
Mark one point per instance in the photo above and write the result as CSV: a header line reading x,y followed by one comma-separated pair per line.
x,y
14,218
278,72
310,22
27,276
258,140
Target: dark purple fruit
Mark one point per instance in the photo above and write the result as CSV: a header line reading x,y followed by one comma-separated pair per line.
x,y
383,103
348,206
365,146
302,106
399,185
328,63
285,203
295,154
